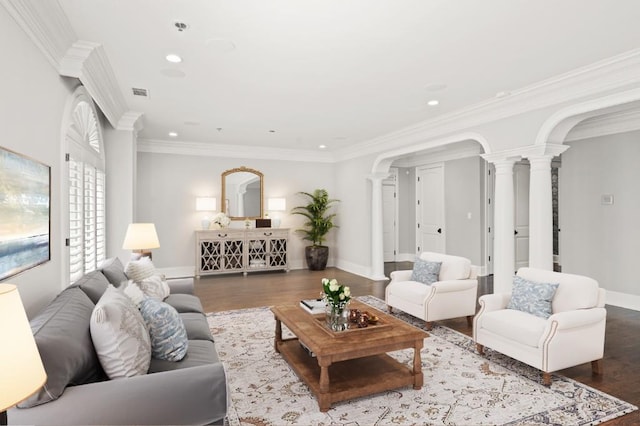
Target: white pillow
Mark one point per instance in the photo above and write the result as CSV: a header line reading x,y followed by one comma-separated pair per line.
x,y
134,293
155,287
138,270
120,335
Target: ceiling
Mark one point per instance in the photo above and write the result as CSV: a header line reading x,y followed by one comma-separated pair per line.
x,y
297,74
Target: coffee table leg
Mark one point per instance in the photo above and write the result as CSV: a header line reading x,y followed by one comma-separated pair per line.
x,y
278,340
324,400
418,377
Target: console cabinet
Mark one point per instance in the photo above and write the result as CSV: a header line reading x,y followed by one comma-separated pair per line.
x,y
241,250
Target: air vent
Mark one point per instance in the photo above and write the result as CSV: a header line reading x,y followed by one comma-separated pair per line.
x,y
140,92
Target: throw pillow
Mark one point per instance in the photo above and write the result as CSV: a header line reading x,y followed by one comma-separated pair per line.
x,y
120,335
138,270
532,297
166,329
155,286
134,293
425,272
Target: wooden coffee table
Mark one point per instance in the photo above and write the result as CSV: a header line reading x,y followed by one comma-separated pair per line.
x,y
351,363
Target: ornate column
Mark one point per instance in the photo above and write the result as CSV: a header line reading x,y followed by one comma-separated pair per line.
x,y
540,207
377,244
503,222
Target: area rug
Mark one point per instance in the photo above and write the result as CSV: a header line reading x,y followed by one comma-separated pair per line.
x,y
461,387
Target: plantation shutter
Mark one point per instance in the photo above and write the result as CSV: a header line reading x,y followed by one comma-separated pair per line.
x,y
76,257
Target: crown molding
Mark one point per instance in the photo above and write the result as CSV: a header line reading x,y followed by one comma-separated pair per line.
x,y
232,151
603,77
46,24
130,121
609,124
448,154
88,62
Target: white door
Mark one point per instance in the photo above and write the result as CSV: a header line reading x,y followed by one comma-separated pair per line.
x,y
521,220
430,234
389,220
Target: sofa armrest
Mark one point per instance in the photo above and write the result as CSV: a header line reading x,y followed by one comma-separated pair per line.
x,y
578,318
494,302
181,285
454,285
402,275
195,395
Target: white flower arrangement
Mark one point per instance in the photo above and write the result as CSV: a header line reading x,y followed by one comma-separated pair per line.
x,y
221,220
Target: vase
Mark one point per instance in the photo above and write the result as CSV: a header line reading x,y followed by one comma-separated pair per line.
x,y
337,317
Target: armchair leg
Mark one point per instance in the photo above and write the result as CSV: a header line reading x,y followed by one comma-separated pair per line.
x,y
546,379
389,309
480,348
469,321
596,367
428,325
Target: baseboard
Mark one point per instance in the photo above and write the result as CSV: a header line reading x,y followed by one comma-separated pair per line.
x,y
623,300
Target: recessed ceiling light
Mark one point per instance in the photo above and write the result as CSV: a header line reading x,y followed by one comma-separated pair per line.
x,y
172,57
322,146
173,134
272,131
433,102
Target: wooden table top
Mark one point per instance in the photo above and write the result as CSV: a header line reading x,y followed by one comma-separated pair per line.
x,y
311,330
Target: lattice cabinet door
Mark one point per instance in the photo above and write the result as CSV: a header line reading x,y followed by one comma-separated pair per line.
x,y
233,257
210,256
278,253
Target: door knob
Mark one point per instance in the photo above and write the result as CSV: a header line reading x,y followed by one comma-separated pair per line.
x,y
515,232
439,231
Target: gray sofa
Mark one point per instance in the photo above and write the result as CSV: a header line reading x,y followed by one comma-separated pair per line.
x,y
77,391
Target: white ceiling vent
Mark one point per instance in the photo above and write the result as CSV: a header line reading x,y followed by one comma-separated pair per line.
x,y
140,92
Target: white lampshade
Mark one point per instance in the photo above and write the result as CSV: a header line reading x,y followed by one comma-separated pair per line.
x,y
141,236
206,204
277,204
21,369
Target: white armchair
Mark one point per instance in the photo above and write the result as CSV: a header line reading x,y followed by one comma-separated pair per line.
x,y
572,335
453,295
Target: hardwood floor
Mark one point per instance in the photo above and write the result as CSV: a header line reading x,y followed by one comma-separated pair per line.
x,y
621,376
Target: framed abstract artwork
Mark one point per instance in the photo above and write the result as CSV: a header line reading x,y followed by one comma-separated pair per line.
x,y
25,186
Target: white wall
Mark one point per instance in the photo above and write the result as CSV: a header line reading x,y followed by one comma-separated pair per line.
x,y
463,194
32,102
167,186
601,241
407,212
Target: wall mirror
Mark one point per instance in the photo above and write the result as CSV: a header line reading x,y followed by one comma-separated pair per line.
x,y
242,190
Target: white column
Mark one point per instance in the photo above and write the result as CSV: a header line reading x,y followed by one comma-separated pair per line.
x,y
540,206
540,213
377,244
503,226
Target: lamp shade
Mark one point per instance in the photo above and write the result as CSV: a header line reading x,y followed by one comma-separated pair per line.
x,y
21,369
141,236
277,204
206,204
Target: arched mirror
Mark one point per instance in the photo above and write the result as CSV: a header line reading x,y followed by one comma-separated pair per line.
x,y
242,193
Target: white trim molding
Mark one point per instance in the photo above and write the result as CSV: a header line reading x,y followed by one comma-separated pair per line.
x,y
623,300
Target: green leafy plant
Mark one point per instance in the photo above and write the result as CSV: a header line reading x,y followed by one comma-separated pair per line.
x,y
318,223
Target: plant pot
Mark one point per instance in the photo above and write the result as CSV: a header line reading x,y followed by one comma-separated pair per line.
x,y
317,257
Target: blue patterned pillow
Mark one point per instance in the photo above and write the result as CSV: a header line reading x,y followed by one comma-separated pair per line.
x,y
166,329
532,297
425,272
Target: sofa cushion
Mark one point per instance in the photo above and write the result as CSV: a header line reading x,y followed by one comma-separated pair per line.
x,y
410,291
185,303
138,270
514,325
61,332
197,326
574,291
113,269
93,284
532,297
200,352
166,330
452,268
425,272
120,335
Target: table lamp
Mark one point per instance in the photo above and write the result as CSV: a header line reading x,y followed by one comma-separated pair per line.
x,y
21,369
141,238
206,204
276,205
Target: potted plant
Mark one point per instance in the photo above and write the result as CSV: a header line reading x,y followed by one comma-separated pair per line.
x,y
318,224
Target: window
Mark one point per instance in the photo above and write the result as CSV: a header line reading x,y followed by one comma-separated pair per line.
x,y
86,183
